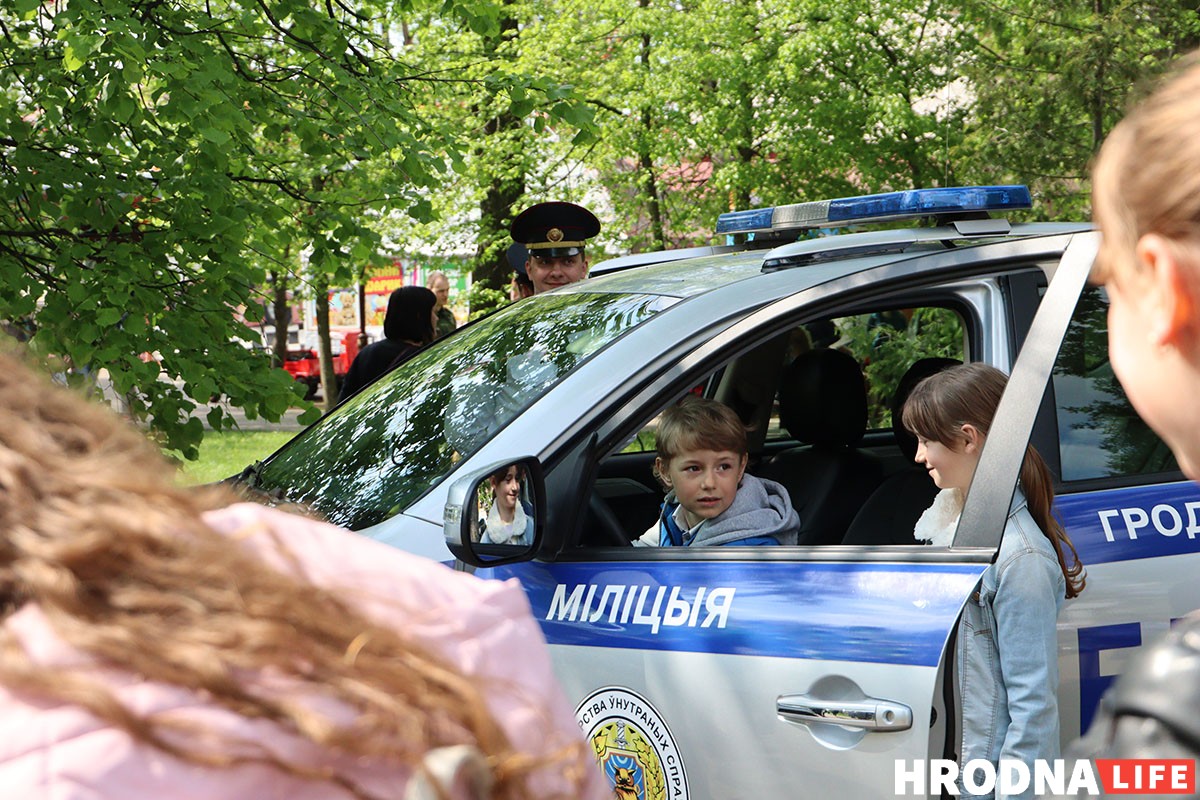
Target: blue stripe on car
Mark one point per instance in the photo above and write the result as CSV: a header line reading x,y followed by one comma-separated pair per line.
x,y
870,612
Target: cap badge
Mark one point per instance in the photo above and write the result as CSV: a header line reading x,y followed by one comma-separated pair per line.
x,y
554,235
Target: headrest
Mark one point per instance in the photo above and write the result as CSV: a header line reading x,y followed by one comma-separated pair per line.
x,y
823,399
919,371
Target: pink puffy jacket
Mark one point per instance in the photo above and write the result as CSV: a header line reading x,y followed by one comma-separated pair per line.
x,y
60,752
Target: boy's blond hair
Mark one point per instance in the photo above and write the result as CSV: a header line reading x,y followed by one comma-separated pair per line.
x,y
1146,178
698,423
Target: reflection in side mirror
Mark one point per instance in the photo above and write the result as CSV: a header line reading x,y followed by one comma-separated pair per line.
x,y
494,516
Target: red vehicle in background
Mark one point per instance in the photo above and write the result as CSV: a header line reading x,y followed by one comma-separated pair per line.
x,y
304,364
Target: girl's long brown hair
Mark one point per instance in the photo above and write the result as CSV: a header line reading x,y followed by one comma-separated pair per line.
x,y
123,567
969,394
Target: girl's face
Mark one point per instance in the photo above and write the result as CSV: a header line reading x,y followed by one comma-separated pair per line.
x,y
950,466
508,490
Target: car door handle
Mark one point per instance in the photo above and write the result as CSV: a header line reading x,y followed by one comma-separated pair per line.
x,y
869,713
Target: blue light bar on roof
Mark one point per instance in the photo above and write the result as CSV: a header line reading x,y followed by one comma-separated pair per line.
x,y
909,204
755,219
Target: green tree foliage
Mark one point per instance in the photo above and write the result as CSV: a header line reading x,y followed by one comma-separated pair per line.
x,y
155,155
158,158
703,105
707,105
888,343
1048,81
510,112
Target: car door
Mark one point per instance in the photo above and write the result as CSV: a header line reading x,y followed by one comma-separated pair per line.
x,y
779,672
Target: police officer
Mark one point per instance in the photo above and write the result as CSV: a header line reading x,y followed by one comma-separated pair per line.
x,y
554,233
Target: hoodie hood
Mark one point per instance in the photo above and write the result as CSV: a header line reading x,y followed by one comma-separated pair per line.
x,y
760,508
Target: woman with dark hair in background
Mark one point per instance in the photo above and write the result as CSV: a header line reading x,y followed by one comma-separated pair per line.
x,y
408,326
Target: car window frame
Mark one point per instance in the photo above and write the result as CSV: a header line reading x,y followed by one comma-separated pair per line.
x,y
995,479
856,290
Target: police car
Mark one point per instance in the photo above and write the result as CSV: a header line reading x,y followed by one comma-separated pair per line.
x,y
810,670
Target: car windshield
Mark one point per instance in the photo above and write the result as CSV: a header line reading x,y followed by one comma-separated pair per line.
x,y
387,445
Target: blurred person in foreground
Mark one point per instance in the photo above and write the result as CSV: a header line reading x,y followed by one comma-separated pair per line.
x,y
408,325
1146,202
161,642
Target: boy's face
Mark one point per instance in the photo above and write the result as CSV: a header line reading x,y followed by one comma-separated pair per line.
x,y
705,481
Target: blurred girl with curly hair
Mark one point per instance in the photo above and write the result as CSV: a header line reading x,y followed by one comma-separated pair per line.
x,y
160,642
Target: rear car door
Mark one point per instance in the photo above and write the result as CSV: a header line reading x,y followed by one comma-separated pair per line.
x,y
780,671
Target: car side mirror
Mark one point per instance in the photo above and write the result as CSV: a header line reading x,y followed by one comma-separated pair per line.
x,y
495,515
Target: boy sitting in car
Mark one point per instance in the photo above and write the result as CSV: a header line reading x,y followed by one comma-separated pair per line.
x,y
701,461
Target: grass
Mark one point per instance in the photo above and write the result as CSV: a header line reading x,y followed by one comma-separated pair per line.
x,y
225,453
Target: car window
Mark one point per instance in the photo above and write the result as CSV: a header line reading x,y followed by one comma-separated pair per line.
x,y
1100,434
386,446
885,344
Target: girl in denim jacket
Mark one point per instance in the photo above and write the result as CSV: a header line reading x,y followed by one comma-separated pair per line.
x,y
1007,637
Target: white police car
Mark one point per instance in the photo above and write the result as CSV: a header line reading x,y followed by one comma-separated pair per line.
x,y
780,671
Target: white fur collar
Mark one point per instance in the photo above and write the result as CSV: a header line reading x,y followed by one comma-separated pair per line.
x,y
501,532
938,522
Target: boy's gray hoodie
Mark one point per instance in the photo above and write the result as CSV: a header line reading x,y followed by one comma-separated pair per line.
x,y
760,508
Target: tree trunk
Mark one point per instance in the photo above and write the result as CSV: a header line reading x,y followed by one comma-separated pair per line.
x,y
329,387
495,213
490,267
282,311
658,237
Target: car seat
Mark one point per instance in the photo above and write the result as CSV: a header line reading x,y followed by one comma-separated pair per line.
x,y
891,512
823,403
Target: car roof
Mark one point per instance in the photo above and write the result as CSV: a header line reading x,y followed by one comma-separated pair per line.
x,y
693,271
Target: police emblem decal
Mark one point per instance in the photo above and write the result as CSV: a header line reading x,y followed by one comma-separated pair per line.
x,y
554,235
633,745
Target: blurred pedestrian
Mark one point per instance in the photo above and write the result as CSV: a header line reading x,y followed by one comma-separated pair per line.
x,y
439,284
554,234
408,326
169,643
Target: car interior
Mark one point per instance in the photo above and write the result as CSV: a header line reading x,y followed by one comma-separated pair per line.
x,y
821,403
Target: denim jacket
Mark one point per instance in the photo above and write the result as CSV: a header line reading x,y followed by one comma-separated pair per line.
x,y
1008,650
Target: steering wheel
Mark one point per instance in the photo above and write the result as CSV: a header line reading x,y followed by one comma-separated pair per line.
x,y
612,533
